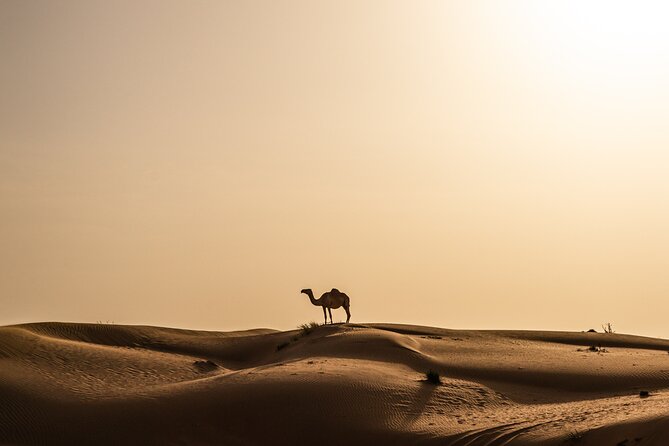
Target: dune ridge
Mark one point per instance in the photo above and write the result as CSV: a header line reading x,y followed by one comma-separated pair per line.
x,y
67,383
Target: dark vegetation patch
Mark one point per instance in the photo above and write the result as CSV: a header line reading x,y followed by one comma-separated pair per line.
x,y
305,330
593,349
205,366
432,377
574,437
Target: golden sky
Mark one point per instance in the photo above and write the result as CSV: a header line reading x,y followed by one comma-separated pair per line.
x,y
464,164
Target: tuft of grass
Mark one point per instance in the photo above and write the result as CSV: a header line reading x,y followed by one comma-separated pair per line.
x,y
308,328
574,437
595,349
305,330
432,377
205,366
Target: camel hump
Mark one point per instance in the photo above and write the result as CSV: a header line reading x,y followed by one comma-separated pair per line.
x,y
335,290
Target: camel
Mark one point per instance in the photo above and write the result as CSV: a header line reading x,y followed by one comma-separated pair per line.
x,y
330,300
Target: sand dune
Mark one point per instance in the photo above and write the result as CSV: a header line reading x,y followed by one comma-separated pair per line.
x,y
355,384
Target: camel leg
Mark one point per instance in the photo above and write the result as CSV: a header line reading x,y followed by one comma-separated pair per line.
x,y
325,315
348,314
330,311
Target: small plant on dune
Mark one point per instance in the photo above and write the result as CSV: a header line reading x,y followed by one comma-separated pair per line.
x,y
574,437
594,349
308,328
205,366
432,377
608,328
305,330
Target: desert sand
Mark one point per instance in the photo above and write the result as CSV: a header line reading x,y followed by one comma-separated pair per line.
x,y
66,383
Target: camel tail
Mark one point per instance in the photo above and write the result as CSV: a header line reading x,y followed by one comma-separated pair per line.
x,y
347,308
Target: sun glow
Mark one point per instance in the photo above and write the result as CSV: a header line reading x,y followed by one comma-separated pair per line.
x,y
602,43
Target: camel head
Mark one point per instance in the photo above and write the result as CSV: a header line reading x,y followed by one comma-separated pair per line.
x,y
306,291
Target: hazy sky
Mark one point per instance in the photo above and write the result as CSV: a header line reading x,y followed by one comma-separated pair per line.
x,y
466,164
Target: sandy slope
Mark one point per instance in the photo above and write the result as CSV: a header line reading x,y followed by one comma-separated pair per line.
x,y
353,384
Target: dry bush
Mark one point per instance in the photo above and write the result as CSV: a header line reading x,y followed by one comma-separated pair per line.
x,y
308,328
432,377
608,328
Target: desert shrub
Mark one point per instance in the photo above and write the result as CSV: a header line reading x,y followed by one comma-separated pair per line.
x,y
282,346
644,394
596,349
432,377
592,330
608,328
308,328
205,366
574,437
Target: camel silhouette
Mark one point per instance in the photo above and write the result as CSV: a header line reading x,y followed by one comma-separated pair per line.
x,y
330,300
